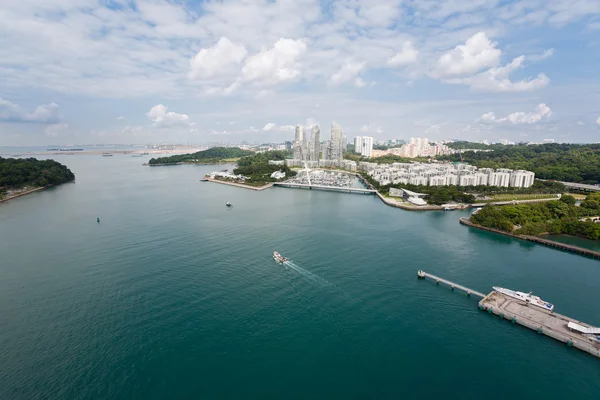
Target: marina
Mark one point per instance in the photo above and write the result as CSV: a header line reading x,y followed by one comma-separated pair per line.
x,y
520,311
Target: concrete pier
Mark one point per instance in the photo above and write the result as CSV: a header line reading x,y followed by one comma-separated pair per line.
x,y
323,187
536,318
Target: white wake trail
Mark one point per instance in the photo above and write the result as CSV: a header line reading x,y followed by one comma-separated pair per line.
x,y
307,274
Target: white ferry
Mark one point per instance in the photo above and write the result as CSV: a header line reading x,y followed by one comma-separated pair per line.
x,y
526,297
279,258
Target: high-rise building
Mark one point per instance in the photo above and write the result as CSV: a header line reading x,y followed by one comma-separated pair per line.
x,y
336,142
288,145
366,146
315,147
299,143
357,144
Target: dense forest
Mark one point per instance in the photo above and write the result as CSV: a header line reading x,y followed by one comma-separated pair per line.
x,y
467,194
461,145
212,155
257,168
559,216
562,162
21,172
387,159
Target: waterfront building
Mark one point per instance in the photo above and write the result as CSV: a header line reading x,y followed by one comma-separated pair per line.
x,y
364,145
315,138
336,143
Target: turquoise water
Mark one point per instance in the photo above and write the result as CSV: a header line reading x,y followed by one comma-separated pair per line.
x,y
173,295
575,241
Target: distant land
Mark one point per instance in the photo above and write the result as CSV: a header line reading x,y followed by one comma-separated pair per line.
x,y
213,155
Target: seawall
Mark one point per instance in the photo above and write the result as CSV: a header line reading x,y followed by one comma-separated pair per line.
x,y
550,243
257,188
23,193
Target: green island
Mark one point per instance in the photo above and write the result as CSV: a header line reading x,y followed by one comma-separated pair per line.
x,y
439,195
551,217
18,175
214,155
578,163
258,170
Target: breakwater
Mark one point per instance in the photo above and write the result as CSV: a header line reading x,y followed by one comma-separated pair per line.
x,y
550,243
258,188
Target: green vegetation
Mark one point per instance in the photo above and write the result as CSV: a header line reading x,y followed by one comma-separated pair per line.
x,y
16,173
562,162
510,197
211,156
388,159
257,168
559,216
468,194
461,145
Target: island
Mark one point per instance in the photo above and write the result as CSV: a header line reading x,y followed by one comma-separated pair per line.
x,y
20,176
214,155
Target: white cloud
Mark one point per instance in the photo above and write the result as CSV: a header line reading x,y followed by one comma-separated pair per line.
x,y
539,57
542,111
54,129
120,118
349,72
217,59
498,79
598,121
408,55
270,126
161,117
278,64
11,112
371,128
477,53
287,128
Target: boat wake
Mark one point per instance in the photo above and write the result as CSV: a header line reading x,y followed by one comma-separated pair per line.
x,y
307,274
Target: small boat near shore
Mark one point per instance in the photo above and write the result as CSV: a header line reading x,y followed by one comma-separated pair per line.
x,y
526,297
279,258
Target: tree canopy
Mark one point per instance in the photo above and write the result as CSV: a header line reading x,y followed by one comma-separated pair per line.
x,y
257,167
562,162
558,216
21,172
212,155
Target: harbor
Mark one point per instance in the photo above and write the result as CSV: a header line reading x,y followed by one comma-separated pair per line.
x,y
565,329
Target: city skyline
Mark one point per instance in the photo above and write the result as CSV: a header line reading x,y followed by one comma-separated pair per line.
x,y
203,71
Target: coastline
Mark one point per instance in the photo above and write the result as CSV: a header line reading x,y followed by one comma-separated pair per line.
x,y
24,193
535,239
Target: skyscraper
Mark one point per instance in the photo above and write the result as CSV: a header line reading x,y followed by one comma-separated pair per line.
x,y
315,137
337,152
363,145
298,143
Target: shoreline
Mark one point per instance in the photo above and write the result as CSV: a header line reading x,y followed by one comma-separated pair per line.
x,y
24,193
549,243
240,185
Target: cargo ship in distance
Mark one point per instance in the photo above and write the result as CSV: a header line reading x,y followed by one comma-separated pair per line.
x,y
526,297
279,258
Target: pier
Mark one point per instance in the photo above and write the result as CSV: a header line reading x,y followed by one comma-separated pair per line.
x,y
560,327
438,280
324,187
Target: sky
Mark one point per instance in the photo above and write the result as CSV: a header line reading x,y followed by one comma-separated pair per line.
x,y
203,71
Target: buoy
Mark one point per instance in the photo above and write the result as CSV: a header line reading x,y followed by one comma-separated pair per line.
x,y
98,219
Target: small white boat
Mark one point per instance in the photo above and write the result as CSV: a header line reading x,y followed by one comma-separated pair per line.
x,y
279,258
526,297
228,204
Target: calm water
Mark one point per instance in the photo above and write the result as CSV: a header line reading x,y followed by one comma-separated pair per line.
x,y
172,295
575,241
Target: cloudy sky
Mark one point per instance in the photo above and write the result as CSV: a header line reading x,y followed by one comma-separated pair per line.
x,y
138,71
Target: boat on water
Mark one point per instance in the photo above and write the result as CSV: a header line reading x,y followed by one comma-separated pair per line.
x,y
136,155
279,258
107,155
526,297
228,204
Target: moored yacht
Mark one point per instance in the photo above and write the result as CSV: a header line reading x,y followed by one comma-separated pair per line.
x,y
526,297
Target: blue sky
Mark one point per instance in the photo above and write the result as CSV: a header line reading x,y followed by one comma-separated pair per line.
x,y
125,71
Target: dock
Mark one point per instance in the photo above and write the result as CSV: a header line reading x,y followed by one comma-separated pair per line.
x,y
565,329
438,280
324,187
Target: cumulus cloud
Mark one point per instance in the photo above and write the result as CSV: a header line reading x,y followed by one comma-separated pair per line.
x,y
371,128
277,64
408,55
271,126
498,79
598,121
477,53
217,59
54,130
11,112
161,117
349,72
120,118
539,57
542,111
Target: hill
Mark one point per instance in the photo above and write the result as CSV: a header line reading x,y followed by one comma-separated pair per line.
x,y
211,156
16,173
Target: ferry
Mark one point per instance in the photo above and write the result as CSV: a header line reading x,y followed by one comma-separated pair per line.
x,y
279,258
526,297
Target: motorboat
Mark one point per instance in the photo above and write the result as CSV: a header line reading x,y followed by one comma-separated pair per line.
x,y
279,258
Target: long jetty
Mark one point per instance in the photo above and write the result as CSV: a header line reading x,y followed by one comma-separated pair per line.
x,y
557,326
438,280
324,187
